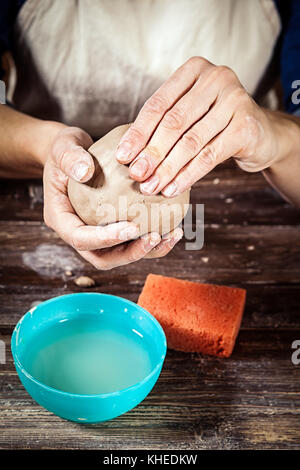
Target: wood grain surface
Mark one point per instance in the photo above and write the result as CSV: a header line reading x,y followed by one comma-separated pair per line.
x,y
249,401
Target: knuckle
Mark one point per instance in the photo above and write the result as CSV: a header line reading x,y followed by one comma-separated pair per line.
x,y
134,133
194,65
208,157
239,94
137,251
63,159
174,119
155,105
191,141
225,73
162,249
74,134
195,61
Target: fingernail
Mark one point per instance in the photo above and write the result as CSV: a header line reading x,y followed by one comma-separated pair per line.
x,y
174,238
149,186
123,153
177,235
170,190
80,171
139,168
151,239
129,233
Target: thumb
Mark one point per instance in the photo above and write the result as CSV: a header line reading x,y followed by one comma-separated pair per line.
x,y
78,164
71,157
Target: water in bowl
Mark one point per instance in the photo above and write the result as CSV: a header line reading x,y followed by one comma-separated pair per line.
x,y
88,356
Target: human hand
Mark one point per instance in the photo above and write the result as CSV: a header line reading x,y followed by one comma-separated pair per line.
x,y
198,118
103,247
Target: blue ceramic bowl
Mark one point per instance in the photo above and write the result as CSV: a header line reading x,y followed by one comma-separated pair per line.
x,y
88,408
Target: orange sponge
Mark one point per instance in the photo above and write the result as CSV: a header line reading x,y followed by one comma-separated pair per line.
x,y
195,317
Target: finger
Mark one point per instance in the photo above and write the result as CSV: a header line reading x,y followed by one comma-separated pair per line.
x,y
122,254
223,146
186,112
85,237
165,246
71,156
191,143
137,136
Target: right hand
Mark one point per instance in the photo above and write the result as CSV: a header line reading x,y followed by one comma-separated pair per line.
x,y
103,247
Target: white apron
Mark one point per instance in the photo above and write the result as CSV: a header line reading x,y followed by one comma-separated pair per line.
x,y
93,63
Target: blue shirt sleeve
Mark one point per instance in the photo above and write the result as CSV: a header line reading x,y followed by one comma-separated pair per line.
x,y
8,13
289,11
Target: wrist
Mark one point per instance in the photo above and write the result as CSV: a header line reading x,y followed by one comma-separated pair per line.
x,y
44,137
286,136
25,143
283,173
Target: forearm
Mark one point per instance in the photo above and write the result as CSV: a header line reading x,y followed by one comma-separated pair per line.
x,y
284,173
24,143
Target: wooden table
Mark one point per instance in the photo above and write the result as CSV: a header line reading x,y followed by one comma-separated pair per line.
x,y
252,400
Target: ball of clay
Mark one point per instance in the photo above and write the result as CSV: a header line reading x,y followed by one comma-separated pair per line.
x,y
112,195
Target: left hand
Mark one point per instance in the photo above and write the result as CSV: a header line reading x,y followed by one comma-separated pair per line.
x,y
103,247
197,119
